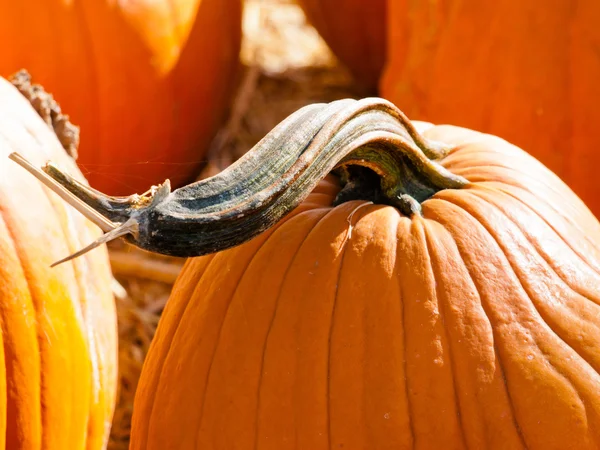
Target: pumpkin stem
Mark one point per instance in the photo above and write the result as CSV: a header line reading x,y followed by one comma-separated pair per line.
x,y
89,212
117,209
377,151
129,227
49,110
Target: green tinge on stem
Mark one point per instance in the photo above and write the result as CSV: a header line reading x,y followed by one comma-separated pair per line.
x,y
372,145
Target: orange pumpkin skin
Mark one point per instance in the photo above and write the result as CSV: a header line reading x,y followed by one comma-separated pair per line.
x,y
475,325
523,71
355,32
147,81
58,355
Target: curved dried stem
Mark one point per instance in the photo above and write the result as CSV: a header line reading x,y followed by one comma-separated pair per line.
x,y
379,154
89,212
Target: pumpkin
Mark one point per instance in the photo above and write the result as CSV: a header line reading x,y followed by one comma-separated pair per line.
x,y
58,355
148,82
471,322
355,32
523,71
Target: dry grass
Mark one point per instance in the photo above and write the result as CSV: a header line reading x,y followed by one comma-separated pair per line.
x,y
286,66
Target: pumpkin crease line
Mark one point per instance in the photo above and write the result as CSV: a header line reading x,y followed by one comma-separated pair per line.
x,y
4,343
540,316
543,316
34,305
541,254
540,179
403,296
218,340
341,256
166,353
92,344
325,212
269,234
510,182
77,306
441,305
485,310
578,253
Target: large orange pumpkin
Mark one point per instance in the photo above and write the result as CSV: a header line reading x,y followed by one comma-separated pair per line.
x,y
474,323
355,32
147,81
525,71
58,356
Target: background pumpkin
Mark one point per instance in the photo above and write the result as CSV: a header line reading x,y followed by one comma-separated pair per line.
x,y
147,81
474,326
524,71
355,32
58,357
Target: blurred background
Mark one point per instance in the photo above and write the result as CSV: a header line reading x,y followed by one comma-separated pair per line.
x,y
180,89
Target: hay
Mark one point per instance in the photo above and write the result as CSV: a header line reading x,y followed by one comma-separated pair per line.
x,y
142,287
286,66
